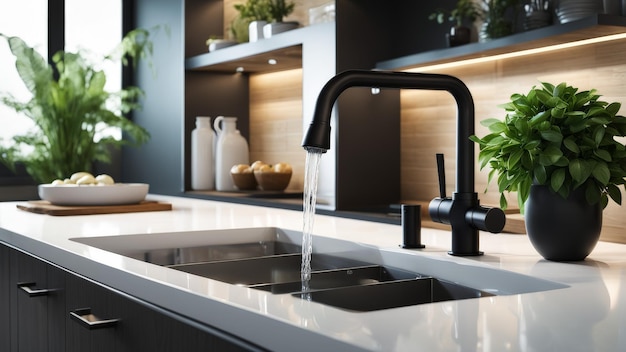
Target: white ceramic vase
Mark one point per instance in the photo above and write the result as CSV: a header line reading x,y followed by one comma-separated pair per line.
x,y
231,149
202,155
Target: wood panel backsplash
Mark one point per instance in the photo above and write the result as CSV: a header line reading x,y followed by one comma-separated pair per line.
x,y
428,118
276,121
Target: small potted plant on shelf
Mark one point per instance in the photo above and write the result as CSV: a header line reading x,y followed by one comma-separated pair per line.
x,y
462,16
254,12
496,18
279,9
557,148
71,109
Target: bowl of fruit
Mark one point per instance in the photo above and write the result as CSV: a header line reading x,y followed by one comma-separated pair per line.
x,y
273,177
261,175
243,177
82,188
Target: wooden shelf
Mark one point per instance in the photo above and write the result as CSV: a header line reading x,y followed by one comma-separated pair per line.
x,y
285,48
587,28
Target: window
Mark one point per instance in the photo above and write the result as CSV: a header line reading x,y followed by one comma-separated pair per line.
x,y
27,19
97,35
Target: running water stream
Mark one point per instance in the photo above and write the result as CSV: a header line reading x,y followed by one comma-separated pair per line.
x,y
310,196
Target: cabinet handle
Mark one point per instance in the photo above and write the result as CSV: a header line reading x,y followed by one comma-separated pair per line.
x,y
84,317
33,292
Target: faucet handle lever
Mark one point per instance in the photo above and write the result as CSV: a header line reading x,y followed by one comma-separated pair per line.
x,y
441,173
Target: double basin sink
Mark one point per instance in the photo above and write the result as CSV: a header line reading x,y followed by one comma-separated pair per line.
x,y
344,274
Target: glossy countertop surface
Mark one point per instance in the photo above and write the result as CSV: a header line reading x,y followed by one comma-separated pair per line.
x,y
589,314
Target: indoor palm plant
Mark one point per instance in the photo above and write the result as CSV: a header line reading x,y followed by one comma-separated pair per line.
x,y
71,109
558,143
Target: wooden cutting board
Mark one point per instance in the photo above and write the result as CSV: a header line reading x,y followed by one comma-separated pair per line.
x,y
44,207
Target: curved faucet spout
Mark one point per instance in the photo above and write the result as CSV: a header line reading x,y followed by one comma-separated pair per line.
x,y
318,134
463,211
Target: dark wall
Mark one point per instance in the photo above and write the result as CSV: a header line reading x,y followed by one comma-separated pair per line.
x,y
159,162
369,31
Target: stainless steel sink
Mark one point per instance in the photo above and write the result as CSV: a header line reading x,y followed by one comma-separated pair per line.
x,y
345,274
201,254
352,276
339,282
393,294
263,270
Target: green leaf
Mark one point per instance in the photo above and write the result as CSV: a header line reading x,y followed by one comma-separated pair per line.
x,y
485,156
540,174
615,193
603,154
601,173
497,127
556,179
547,87
577,170
559,90
489,122
530,145
503,201
32,68
613,108
571,145
550,156
515,158
539,118
552,135
598,134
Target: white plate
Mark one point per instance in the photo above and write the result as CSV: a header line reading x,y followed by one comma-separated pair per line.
x,y
119,193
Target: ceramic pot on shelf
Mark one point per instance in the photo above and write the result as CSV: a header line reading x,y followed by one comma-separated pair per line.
x,y
255,30
274,28
458,35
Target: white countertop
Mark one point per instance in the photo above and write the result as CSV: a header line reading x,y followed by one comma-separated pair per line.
x,y
588,315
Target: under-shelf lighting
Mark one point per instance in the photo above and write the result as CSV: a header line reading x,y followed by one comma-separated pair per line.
x,y
239,69
272,61
519,53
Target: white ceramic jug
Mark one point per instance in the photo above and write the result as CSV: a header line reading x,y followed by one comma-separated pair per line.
x,y
203,155
231,149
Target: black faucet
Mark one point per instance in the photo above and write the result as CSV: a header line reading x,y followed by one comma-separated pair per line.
x,y
463,211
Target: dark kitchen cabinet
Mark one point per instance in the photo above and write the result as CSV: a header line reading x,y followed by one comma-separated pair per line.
x,y
5,303
37,304
101,319
47,308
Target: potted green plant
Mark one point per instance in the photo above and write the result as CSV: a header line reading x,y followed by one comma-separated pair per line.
x,y
279,9
71,109
256,13
496,18
464,14
557,148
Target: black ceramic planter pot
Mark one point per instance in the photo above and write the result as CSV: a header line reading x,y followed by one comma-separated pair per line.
x,y
562,229
459,36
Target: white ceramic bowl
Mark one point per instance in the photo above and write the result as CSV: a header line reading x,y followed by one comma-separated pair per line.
x,y
116,194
